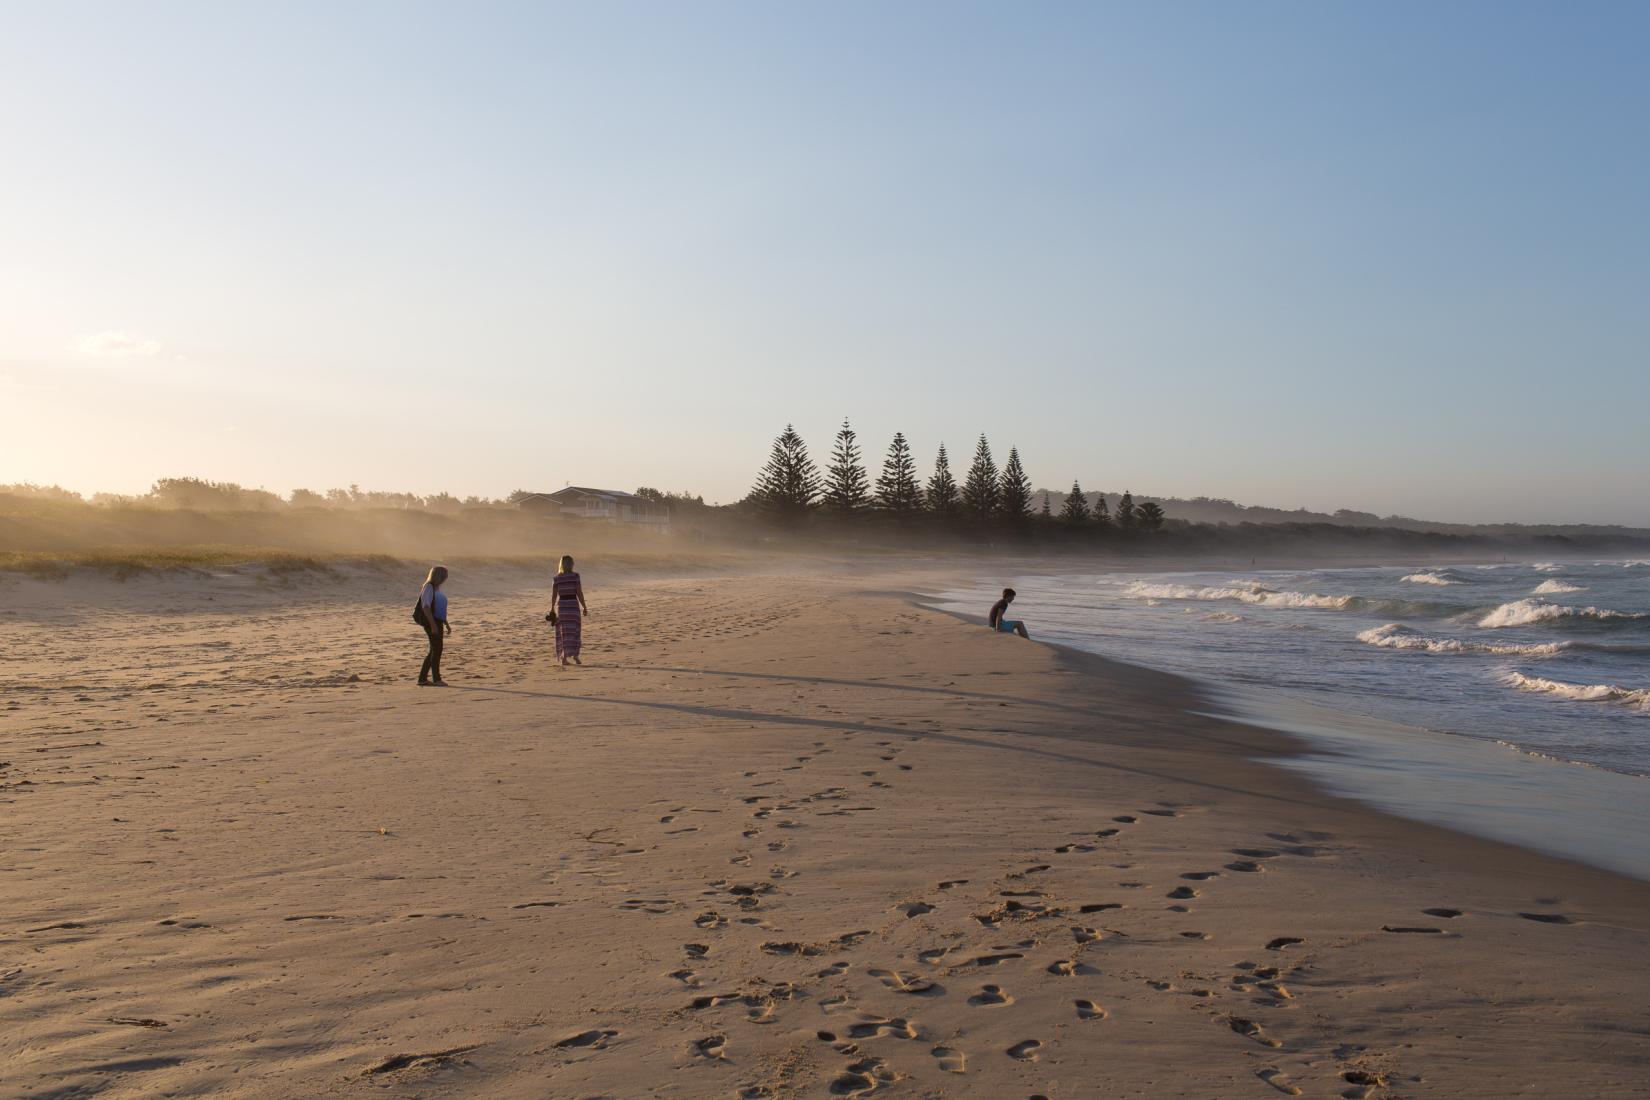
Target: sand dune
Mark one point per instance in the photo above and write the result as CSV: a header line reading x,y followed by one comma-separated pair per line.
x,y
780,838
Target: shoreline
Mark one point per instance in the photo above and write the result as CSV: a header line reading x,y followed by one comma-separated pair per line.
x,y
781,837
1317,744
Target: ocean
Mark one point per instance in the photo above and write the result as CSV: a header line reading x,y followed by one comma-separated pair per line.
x,y
1417,685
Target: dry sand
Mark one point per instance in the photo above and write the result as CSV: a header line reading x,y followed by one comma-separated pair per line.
x,y
780,837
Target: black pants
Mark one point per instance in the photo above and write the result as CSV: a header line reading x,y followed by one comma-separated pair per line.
x,y
432,660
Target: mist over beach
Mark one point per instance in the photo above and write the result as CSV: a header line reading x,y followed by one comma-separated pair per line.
x,y
712,550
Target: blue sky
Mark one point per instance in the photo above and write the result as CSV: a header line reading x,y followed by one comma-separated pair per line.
x,y
1383,256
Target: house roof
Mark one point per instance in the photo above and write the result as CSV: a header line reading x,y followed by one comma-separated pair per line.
x,y
604,494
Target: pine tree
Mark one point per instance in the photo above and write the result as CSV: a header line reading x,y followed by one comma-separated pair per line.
x,y
980,490
847,489
1125,511
1148,516
789,484
897,488
942,487
1076,511
1046,513
1102,518
1015,497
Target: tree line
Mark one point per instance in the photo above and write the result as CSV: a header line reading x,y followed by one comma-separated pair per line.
x,y
790,487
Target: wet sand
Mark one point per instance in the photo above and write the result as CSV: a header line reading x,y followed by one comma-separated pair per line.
x,y
780,837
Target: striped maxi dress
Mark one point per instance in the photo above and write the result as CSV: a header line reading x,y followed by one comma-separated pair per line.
x,y
568,616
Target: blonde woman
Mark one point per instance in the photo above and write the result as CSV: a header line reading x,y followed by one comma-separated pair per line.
x,y
567,611
431,614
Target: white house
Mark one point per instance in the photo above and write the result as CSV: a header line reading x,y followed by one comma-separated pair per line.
x,y
612,505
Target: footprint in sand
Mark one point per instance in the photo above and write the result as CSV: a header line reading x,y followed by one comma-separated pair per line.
x,y
1125,819
1085,935
876,1027
953,883
696,950
1088,1010
1200,876
1251,1030
861,1077
1104,833
951,1059
1181,893
714,1047
596,1039
1255,853
1283,941
1025,1050
1547,918
1447,914
1099,906
915,908
1063,968
1068,849
1034,869
993,960
1409,928
835,970
901,982
990,996
687,977
1244,865
1162,813
1278,1080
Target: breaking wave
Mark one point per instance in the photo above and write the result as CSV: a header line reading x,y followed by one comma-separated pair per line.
x,y
1436,576
1525,612
1555,586
1252,592
1249,593
1587,693
1546,567
1399,636
1222,617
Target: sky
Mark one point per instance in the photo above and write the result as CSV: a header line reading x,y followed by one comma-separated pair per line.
x,y
1385,256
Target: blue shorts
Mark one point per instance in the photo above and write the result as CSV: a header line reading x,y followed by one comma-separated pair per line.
x,y
1007,626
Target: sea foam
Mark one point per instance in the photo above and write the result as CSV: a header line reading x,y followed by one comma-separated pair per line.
x,y
1555,586
1437,576
1399,636
1527,611
1587,693
1250,593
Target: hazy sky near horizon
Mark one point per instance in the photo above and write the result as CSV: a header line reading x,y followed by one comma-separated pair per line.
x,y
1385,256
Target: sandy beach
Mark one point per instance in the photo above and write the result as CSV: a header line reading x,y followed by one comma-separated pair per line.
x,y
786,834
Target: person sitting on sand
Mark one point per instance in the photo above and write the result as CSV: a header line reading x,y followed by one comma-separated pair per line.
x,y
999,621
432,604
567,611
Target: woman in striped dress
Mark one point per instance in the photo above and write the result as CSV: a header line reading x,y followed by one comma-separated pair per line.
x,y
568,606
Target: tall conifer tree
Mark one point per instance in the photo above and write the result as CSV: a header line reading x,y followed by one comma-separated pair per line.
x,y
1076,511
1014,500
1102,518
847,490
1046,513
942,487
1125,511
980,491
789,484
897,488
